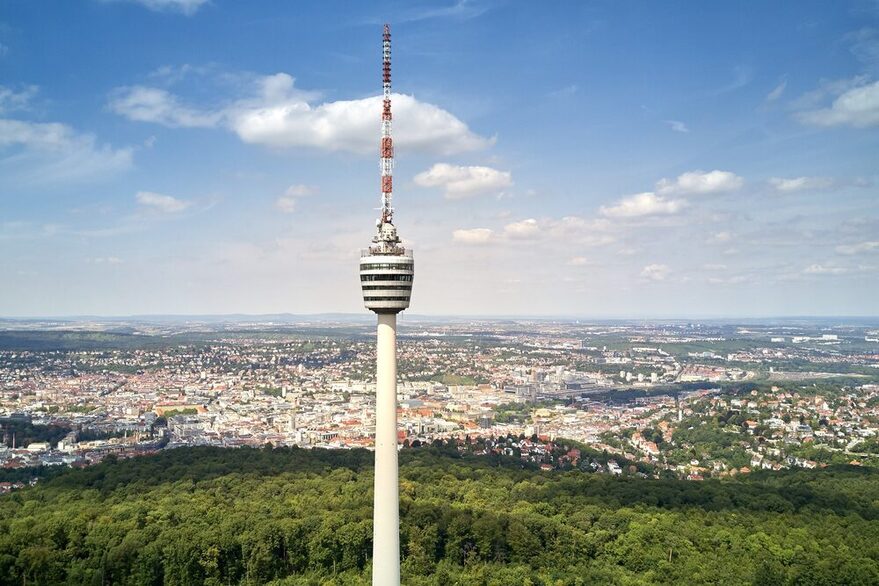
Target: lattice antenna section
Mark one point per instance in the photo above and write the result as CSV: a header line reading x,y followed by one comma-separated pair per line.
x,y
387,141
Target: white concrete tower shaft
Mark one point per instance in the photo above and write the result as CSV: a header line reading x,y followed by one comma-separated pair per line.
x,y
386,502
386,274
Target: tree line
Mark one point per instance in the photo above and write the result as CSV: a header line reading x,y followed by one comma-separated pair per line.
x,y
294,517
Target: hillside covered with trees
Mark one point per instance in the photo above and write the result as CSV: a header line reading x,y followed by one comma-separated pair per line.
x,y
293,516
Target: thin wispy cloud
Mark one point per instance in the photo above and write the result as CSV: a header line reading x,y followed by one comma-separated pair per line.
x,y
720,237
777,91
857,107
105,260
165,204
731,280
51,153
12,100
677,126
864,45
460,10
859,248
822,269
742,75
793,184
288,202
565,92
827,89
656,272
147,104
187,7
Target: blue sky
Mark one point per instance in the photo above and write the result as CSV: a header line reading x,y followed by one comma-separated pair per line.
x,y
580,158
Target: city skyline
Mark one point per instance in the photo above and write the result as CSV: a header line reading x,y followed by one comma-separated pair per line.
x,y
189,157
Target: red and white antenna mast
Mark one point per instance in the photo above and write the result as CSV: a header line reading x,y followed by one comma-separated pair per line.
x,y
387,143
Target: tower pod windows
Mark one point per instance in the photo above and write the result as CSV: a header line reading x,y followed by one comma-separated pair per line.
x,y
384,266
386,277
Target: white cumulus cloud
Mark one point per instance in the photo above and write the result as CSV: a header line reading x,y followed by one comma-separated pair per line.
x,y
700,183
473,236
460,182
565,231
276,114
523,230
643,204
162,203
857,107
800,183
352,125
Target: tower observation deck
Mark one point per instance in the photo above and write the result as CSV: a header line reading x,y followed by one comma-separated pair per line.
x,y
386,273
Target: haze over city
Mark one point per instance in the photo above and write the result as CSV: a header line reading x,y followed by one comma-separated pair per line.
x,y
188,156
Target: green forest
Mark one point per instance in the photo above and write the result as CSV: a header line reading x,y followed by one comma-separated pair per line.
x,y
291,516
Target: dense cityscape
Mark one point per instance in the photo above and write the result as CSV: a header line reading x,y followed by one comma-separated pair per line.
x,y
689,400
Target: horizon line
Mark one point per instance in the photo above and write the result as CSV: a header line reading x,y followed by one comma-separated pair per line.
x,y
326,314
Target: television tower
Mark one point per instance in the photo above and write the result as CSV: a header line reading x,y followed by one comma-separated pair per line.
x,y
386,272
